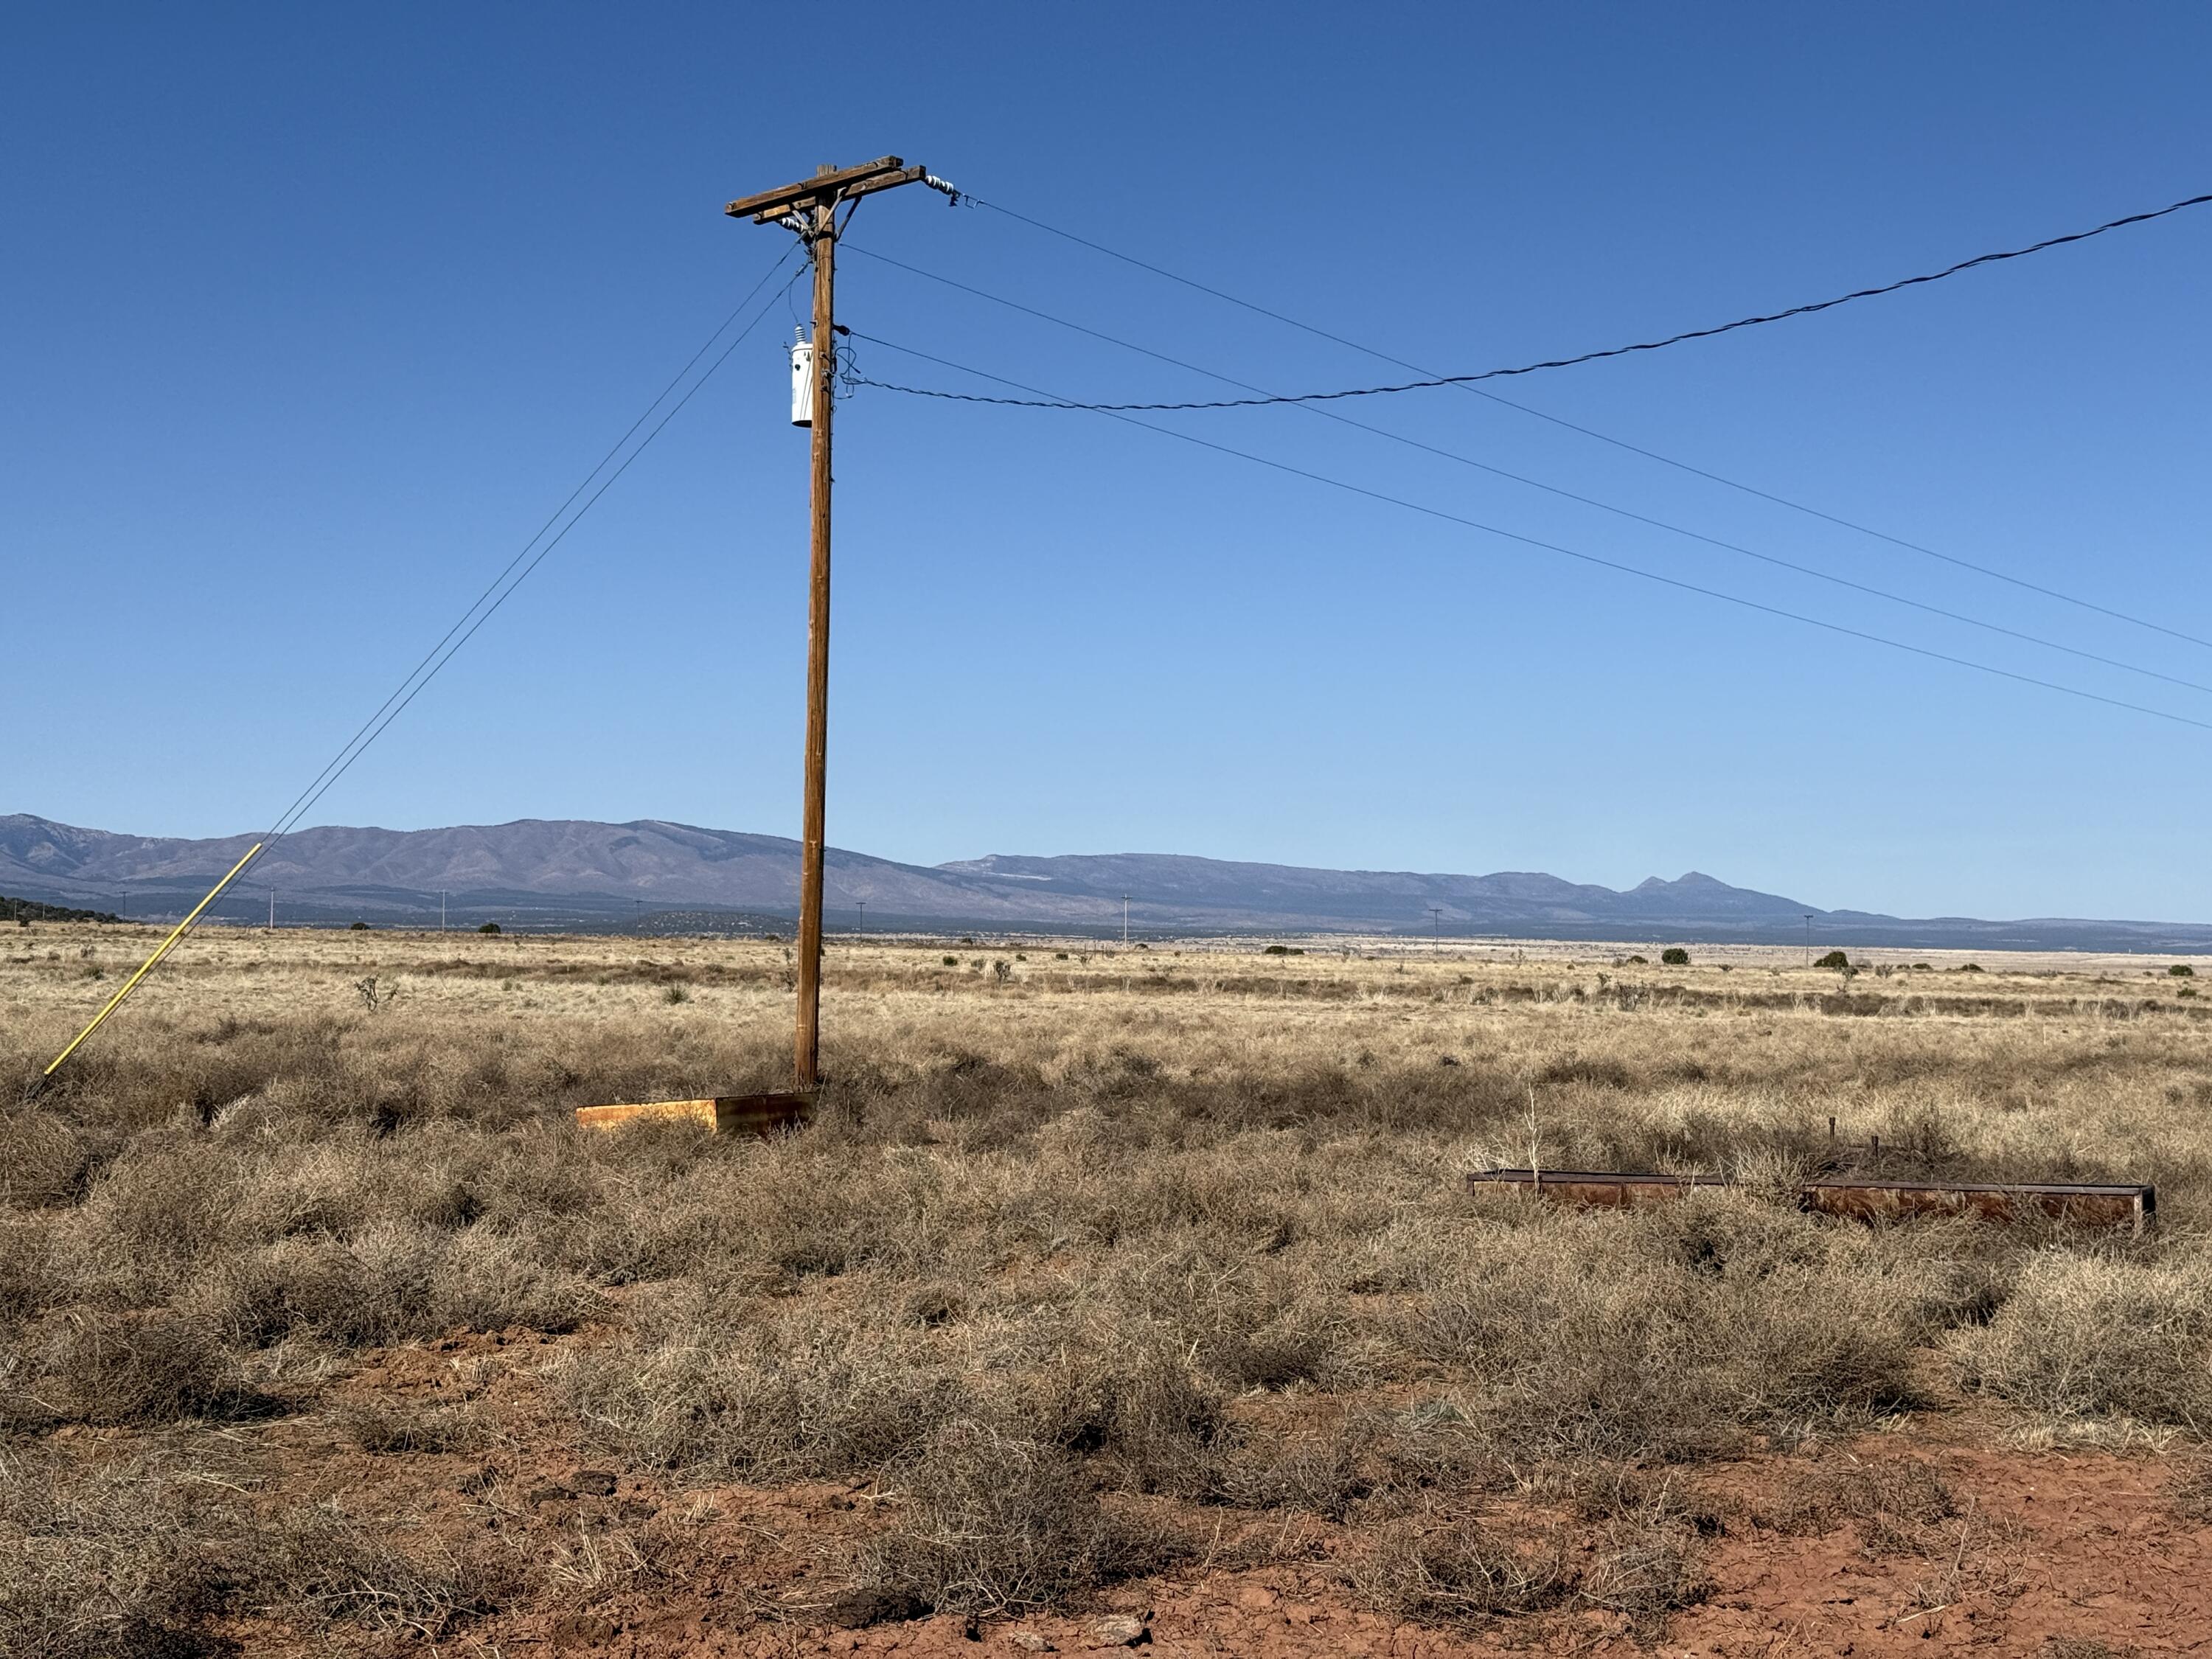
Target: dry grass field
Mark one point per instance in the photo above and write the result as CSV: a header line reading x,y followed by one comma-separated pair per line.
x,y
1110,1285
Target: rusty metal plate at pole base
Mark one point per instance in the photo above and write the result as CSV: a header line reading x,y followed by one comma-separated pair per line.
x,y
759,1115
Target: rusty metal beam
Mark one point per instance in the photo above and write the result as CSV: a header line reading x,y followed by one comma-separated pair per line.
x,y
760,1114
2085,1204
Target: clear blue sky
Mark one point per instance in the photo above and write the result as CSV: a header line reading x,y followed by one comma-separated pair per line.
x,y
309,317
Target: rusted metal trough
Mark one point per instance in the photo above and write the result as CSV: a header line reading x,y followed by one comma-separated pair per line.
x,y
759,1114
2085,1205
2088,1205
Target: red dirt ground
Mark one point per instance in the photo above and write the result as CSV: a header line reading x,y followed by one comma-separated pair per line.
x,y
2064,1554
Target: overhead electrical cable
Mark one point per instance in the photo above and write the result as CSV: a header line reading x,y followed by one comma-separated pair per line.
x,y
1779,562
1684,336
497,594
306,797
1623,444
1555,547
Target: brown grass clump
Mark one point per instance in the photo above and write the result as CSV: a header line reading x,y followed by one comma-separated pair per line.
x,y
1895,1505
1325,1473
410,1430
1131,1395
1643,1563
1597,1336
103,1563
1638,1556
324,1563
1444,1568
87,1365
2095,1336
138,1555
713,1394
987,1522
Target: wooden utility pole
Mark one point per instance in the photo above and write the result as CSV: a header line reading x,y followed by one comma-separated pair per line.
x,y
810,208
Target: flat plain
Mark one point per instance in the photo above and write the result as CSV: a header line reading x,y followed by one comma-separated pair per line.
x,y
1135,1284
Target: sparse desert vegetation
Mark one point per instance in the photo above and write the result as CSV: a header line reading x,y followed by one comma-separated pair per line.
x,y
1110,1284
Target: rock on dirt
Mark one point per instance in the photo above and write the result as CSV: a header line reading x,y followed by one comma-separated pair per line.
x,y
1121,1630
1028,1641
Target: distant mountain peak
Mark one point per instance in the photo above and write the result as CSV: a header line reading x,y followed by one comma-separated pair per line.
x,y
1688,878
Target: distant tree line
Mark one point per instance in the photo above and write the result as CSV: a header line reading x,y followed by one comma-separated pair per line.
x,y
21,909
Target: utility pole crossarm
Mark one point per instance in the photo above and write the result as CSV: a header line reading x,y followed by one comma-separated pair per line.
x,y
831,182
776,216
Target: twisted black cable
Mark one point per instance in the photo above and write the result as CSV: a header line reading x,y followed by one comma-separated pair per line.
x,y
1558,362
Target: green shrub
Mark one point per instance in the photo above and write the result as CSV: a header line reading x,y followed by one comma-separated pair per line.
x,y
488,927
951,962
1835,959
2181,970
1674,957
358,927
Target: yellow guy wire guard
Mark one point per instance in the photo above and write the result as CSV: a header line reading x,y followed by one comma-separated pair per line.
x,y
162,950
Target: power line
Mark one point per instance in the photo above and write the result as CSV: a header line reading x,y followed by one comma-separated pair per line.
x,y
1567,552
1537,483
1607,438
1587,356
378,723
306,798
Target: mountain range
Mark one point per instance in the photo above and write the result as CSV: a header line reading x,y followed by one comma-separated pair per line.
x,y
578,874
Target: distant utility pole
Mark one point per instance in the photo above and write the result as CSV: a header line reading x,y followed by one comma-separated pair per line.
x,y
1809,938
1437,915
1125,921
442,909
272,909
808,207
864,915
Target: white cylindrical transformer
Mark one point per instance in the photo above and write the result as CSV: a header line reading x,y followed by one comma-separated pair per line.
x,y
802,384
